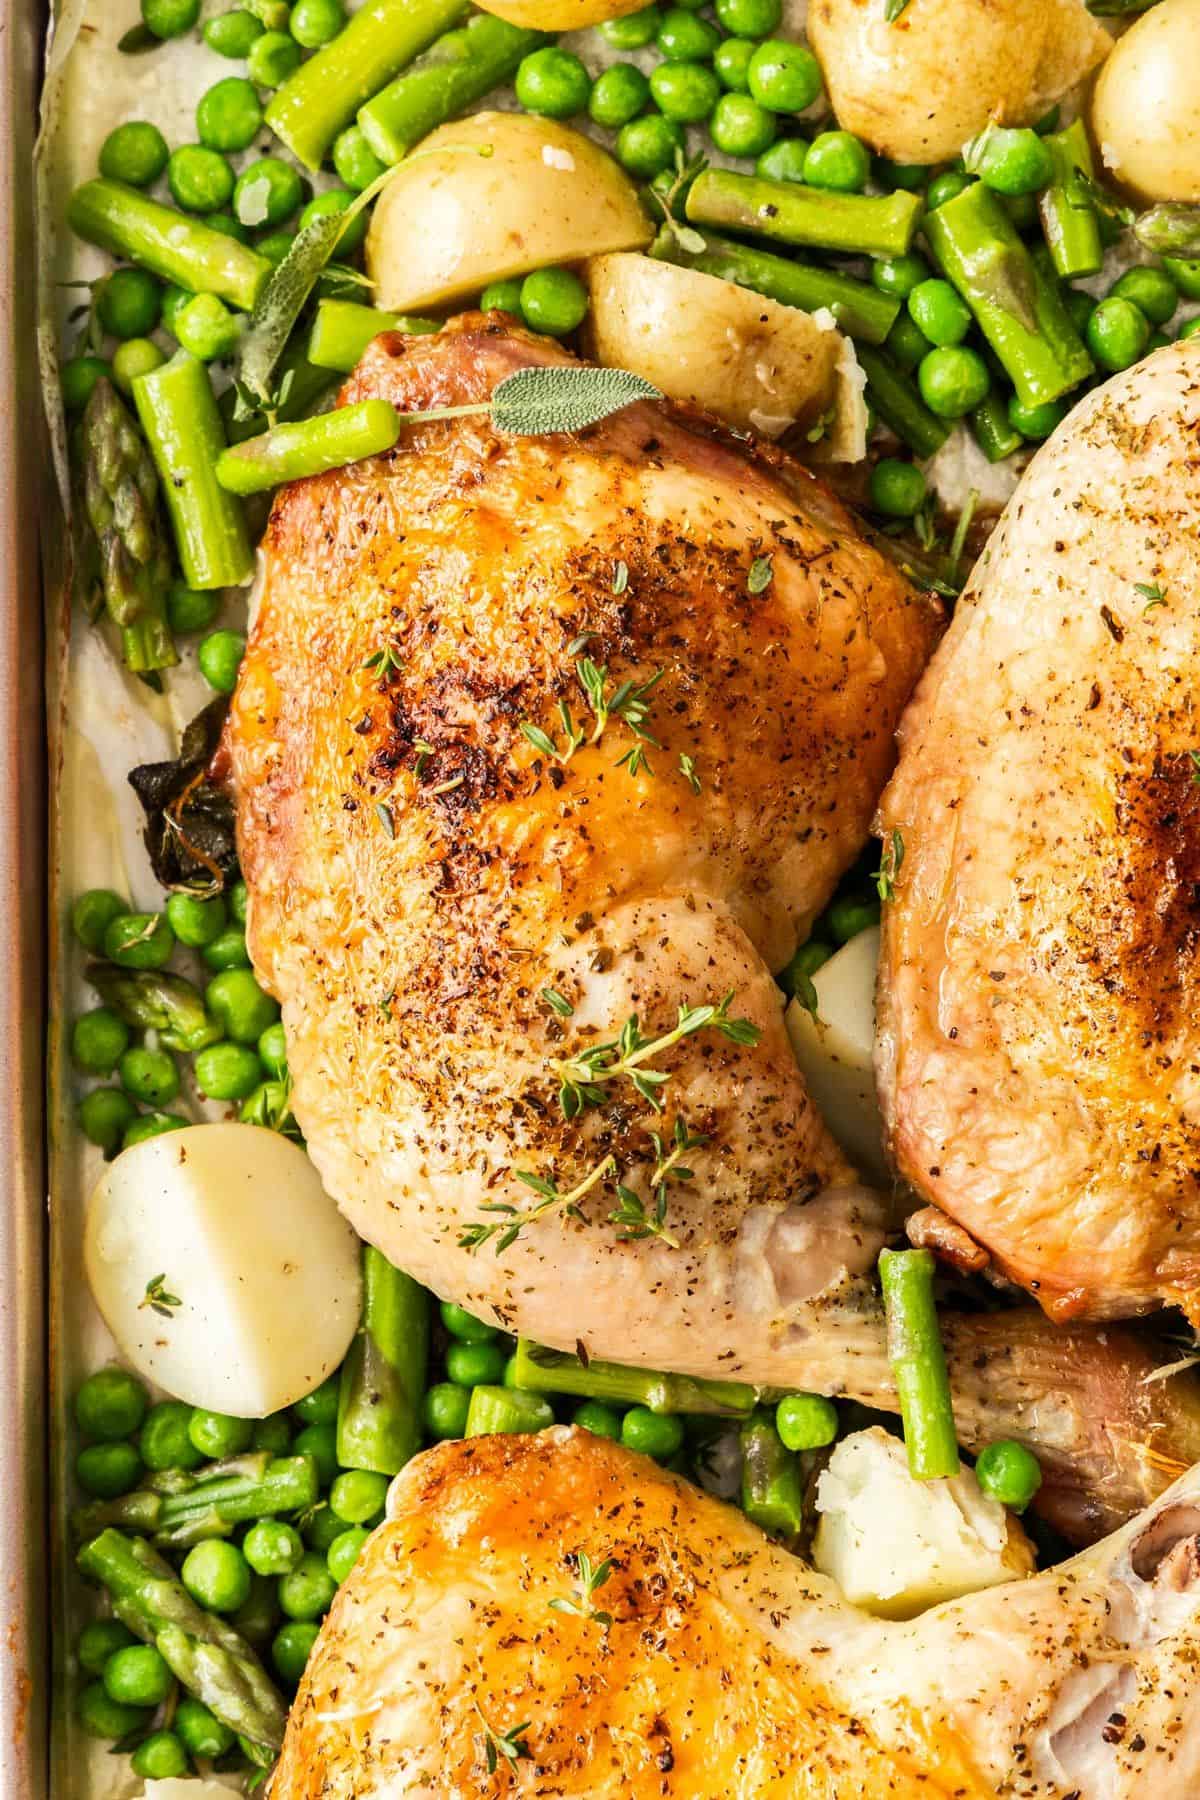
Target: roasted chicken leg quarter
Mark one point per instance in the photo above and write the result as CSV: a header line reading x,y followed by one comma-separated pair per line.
x,y
728,1670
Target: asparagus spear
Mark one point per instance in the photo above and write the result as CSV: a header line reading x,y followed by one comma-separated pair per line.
x,y
544,1371
899,404
993,430
156,1000
309,447
383,1376
1068,217
772,1488
210,1502
169,243
1013,295
324,94
342,330
857,224
859,309
204,1653
500,1409
120,499
454,72
918,1362
179,416
1170,229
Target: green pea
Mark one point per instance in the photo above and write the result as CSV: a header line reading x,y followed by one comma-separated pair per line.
x,y
907,343
783,161
839,161
200,1731
307,1591
272,1050
851,914
100,1640
445,1410
647,146
139,941
217,1434
784,77
634,31
658,1435
1008,1472
77,377
229,115
106,1470
273,1434
273,1548
731,60
206,328
1012,161
216,1574
358,1494
151,1125
322,1528
344,1552
1151,290
939,311
239,1005
899,275
1185,275
188,610
135,153
553,301
149,1075
239,901
502,296
897,489
338,200
749,18
173,302
258,1615
227,225
1036,422
682,37
1117,333
195,919
319,1442
465,1326
684,91
102,1717
159,1757
1191,328
199,178
806,1421
945,187
272,59
232,34
1022,210
267,192
98,1041
137,1676
618,94
910,177
741,126
321,1406
952,380
553,83
219,657
227,950
165,1441
136,356
476,1365
356,163
601,1420
1157,341
93,913
291,1647
170,18
227,1071
316,22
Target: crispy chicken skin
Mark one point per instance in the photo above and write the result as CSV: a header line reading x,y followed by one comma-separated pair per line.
x,y
730,1671
1038,1052
420,872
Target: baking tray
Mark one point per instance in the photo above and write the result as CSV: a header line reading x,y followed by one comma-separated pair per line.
x,y
24,1548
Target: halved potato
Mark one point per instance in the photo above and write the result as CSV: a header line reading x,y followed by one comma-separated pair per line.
x,y
756,364
834,1051
560,15
533,193
1146,108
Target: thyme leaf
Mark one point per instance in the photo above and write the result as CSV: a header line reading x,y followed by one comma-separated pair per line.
x,y
582,1078
889,867
158,1299
511,1220
507,1746
591,1577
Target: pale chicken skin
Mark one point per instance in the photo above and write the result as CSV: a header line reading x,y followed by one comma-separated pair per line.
x,y
730,1670
1038,1052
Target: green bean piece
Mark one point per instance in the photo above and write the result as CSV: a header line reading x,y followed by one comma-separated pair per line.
x,y
324,93
992,428
342,330
1069,221
772,1485
169,243
914,1342
309,447
545,1371
1014,296
383,1376
856,224
455,72
859,309
179,416
897,400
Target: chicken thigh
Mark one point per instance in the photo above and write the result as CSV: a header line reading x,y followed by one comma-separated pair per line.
x,y
1038,1052
462,1644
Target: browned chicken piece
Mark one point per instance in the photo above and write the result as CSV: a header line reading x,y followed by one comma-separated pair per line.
x,y
729,1671
1039,1045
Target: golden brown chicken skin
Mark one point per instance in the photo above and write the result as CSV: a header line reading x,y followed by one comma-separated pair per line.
x,y
729,1670
445,905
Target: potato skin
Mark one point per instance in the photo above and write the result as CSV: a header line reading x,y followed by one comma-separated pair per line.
x,y
1146,108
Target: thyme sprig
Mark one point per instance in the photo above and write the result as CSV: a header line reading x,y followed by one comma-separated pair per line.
x,y
629,701
508,1746
591,1577
511,1220
582,1078
889,867
630,1215
158,1299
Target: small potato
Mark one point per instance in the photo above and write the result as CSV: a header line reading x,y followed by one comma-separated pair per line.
x,y
755,364
834,1051
560,15
1146,108
449,221
918,88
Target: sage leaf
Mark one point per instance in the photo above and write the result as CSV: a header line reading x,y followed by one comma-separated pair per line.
x,y
533,402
